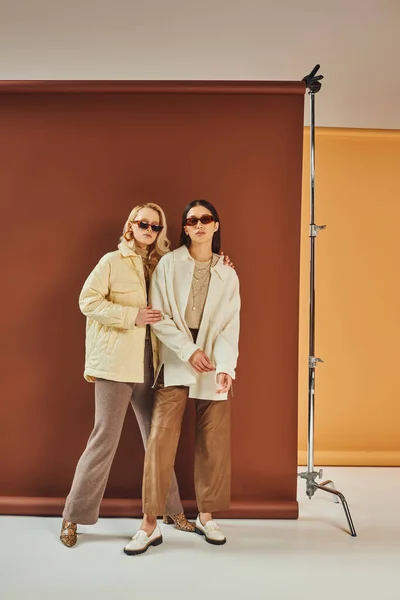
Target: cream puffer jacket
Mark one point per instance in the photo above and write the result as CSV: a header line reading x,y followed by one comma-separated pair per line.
x,y
110,299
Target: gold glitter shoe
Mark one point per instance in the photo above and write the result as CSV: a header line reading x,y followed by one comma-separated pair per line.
x,y
68,534
180,522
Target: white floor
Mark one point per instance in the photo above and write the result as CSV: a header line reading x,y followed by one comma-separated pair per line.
x,y
311,558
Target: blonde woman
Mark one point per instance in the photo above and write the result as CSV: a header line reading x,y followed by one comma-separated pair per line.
x,y
119,360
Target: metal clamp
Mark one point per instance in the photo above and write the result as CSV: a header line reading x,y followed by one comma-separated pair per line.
x,y
312,362
311,475
315,229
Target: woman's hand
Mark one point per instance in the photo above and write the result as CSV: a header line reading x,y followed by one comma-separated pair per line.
x,y
227,260
147,316
200,362
224,383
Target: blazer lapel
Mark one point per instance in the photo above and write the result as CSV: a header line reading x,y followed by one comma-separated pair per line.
x,y
183,280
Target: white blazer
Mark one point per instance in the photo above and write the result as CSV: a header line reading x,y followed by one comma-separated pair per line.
x,y
219,329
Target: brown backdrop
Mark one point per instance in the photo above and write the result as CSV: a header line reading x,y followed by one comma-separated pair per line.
x,y
75,157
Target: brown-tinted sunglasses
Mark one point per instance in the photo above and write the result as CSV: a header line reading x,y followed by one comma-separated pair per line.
x,y
145,225
205,220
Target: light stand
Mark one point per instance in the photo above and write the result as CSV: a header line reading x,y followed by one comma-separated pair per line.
x,y
313,84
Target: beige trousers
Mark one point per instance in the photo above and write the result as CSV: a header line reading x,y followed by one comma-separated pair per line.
x,y
112,399
212,450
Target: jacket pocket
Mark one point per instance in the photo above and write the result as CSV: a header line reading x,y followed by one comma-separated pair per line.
x,y
92,336
112,339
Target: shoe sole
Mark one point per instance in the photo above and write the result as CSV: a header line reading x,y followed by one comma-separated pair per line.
x,y
209,540
155,542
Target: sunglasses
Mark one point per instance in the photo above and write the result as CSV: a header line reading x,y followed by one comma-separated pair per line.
x,y
144,225
205,220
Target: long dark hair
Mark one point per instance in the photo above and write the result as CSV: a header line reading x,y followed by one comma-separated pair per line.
x,y
216,241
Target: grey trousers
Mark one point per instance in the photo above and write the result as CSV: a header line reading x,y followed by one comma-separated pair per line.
x,y
91,475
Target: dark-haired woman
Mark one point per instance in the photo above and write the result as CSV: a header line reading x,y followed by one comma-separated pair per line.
x,y
199,299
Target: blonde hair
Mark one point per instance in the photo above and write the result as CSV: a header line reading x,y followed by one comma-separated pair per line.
x,y
162,243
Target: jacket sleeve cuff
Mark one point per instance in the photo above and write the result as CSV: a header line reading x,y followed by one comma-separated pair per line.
x,y
187,351
130,317
224,368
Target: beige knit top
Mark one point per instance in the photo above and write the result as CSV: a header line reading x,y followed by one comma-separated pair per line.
x,y
199,291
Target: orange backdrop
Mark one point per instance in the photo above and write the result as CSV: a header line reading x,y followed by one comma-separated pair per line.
x,y
357,298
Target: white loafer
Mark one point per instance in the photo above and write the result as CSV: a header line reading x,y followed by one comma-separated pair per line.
x,y
211,531
141,541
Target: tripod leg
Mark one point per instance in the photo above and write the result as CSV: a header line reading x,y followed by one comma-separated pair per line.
x,y
344,504
330,484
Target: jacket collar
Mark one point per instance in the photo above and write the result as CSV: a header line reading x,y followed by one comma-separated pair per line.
x,y
182,254
127,249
